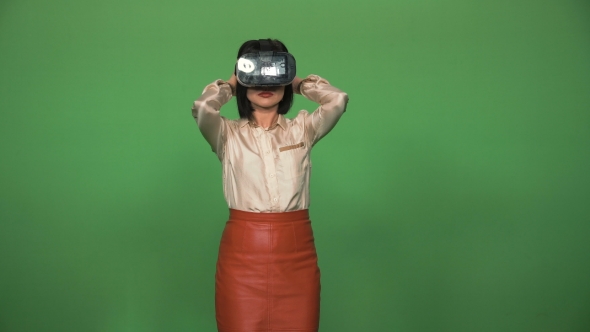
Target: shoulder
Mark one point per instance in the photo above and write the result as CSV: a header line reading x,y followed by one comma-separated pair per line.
x,y
235,126
299,119
231,123
299,124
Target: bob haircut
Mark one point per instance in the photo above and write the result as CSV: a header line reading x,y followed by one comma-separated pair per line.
x,y
244,106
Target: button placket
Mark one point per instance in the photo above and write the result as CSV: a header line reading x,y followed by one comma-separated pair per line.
x,y
269,164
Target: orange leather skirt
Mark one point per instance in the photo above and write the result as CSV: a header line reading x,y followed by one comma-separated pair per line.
x,y
267,274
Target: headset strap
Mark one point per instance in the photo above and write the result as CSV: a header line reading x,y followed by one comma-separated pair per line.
x,y
265,45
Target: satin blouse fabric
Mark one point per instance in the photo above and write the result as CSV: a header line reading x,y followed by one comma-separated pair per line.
x,y
268,170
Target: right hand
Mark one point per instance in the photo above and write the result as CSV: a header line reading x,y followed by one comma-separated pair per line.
x,y
233,81
297,84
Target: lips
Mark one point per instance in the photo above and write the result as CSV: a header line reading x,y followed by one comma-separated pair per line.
x,y
265,94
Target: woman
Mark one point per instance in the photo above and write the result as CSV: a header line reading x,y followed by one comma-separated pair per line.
x,y
267,276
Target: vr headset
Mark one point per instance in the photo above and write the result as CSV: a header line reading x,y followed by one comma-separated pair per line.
x,y
265,68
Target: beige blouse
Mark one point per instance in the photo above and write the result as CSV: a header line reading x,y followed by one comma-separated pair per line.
x,y
268,170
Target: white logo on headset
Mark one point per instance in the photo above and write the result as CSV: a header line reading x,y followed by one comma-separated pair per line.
x,y
246,65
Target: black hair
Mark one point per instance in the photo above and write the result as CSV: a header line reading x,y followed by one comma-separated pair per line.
x,y
244,106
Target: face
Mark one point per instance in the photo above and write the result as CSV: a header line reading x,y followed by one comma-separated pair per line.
x,y
266,98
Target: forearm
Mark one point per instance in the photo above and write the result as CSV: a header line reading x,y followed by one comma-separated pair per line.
x,y
332,102
206,108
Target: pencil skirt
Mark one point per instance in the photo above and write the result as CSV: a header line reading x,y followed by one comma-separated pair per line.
x,y
267,276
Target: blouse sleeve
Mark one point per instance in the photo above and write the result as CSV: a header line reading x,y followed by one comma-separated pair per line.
x,y
332,105
206,113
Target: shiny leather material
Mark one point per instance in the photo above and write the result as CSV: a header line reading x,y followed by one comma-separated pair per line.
x,y
267,274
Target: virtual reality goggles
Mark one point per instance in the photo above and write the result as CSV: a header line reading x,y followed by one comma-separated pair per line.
x,y
265,68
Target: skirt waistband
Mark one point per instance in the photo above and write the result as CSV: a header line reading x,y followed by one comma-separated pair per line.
x,y
274,216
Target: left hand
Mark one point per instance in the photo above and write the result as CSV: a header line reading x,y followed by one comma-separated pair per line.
x,y
296,84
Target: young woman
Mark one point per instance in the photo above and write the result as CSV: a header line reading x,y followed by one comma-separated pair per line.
x,y
267,275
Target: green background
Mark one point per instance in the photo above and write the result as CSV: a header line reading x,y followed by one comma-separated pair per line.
x,y
454,194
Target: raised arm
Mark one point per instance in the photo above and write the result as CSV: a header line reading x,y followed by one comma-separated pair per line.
x,y
206,111
332,105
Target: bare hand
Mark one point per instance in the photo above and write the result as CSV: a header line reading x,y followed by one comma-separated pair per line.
x,y
233,81
296,84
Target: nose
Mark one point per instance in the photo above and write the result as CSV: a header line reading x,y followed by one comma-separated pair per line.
x,y
270,88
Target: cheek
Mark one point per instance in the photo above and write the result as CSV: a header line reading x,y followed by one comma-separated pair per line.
x,y
249,94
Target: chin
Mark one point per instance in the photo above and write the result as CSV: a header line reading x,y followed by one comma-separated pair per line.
x,y
266,107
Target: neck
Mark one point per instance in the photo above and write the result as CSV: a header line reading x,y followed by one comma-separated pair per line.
x,y
265,119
